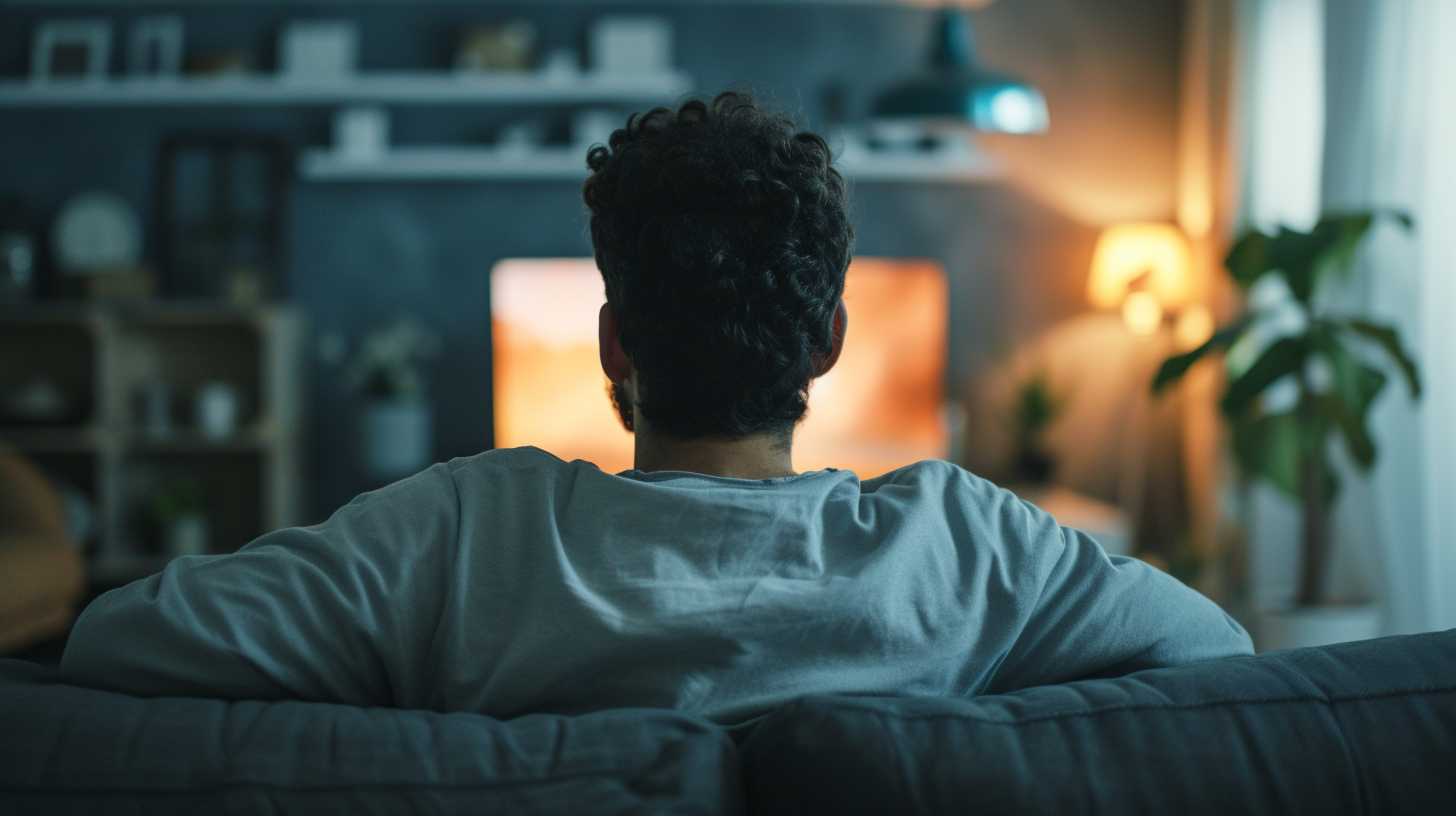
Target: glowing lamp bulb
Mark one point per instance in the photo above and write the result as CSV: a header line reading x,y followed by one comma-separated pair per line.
x,y
1142,313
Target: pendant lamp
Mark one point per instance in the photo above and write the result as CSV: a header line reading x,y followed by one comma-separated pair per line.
x,y
958,88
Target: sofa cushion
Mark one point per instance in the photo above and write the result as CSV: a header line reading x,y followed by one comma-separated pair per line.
x,y
1365,727
72,750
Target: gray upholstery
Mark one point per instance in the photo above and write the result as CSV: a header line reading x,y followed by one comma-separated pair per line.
x,y
72,750
1364,727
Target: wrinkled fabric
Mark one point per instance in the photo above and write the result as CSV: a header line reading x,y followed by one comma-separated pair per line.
x,y
69,750
513,582
1356,728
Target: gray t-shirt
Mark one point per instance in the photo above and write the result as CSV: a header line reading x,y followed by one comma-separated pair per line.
x,y
513,582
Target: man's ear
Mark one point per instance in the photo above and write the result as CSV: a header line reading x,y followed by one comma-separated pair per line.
x,y
615,362
841,325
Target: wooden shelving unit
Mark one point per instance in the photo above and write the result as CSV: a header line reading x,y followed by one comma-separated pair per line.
x,y
100,357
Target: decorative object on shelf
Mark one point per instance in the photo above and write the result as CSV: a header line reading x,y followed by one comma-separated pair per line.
x,y
180,508
71,50
1036,408
631,45
156,410
17,265
216,410
1146,270
98,240
361,133
220,64
1298,376
591,126
154,48
19,259
97,232
508,46
561,65
397,418
318,50
958,89
37,401
220,216
519,139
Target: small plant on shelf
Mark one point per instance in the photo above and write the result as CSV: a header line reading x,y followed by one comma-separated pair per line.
x,y
1037,406
1313,375
388,363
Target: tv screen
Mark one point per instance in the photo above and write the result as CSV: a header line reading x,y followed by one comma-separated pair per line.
x,y
879,409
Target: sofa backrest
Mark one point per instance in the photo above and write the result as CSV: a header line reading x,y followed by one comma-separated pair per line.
x,y
1366,727
73,750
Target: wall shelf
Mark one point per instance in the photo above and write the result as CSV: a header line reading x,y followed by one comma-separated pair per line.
x,y
459,163
399,87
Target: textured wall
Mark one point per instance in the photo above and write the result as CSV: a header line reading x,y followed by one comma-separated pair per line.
x,y
359,254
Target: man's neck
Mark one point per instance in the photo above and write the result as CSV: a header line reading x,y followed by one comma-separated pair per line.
x,y
762,456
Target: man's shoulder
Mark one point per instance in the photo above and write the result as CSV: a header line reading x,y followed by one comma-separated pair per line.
x,y
989,514
516,465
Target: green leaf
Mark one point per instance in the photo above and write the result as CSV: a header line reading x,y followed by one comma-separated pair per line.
x,y
1269,448
1282,358
1174,368
1248,259
1356,384
1389,340
1343,234
1351,427
1297,256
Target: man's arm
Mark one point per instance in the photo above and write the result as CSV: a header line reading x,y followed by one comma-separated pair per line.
x,y
341,612
1106,616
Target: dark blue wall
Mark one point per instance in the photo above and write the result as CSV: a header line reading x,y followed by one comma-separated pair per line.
x,y
360,254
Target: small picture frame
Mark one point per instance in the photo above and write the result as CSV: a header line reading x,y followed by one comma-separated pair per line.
x,y
71,50
154,48
318,50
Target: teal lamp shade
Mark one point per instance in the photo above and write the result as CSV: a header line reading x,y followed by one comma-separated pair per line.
x,y
957,88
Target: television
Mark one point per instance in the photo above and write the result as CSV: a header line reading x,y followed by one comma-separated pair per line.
x,y
880,408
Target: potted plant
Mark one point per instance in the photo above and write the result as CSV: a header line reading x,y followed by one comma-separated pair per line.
x,y
1313,376
180,508
397,421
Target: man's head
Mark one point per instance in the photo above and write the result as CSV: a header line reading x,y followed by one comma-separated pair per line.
x,y
723,236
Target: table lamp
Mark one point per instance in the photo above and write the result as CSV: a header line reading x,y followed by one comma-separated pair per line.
x,y
1146,269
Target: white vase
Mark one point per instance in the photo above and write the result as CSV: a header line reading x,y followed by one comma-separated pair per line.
x,y
398,437
1301,626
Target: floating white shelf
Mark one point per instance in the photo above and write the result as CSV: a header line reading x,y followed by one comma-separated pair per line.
x,y
447,163
470,163
402,87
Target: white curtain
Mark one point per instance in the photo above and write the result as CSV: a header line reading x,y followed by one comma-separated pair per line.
x,y
1391,142
1351,104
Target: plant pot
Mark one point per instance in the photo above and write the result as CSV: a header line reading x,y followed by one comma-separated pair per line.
x,y
1301,626
187,535
398,438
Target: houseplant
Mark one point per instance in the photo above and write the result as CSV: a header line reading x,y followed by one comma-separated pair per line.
x,y
1313,374
397,421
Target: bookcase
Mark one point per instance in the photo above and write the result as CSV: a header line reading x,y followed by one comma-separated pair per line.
x,y
107,400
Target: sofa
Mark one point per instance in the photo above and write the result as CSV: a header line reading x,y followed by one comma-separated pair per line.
x,y
1366,727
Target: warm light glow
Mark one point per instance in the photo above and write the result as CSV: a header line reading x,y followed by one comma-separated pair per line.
x,y
1140,257
1194,327
879,409
1142,313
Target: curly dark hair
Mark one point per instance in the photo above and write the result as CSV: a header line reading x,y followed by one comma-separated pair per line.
x,y
723,235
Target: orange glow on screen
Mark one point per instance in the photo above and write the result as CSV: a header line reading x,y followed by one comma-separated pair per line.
x,y
879,409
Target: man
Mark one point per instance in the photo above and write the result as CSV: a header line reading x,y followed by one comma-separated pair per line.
x,y
712,578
